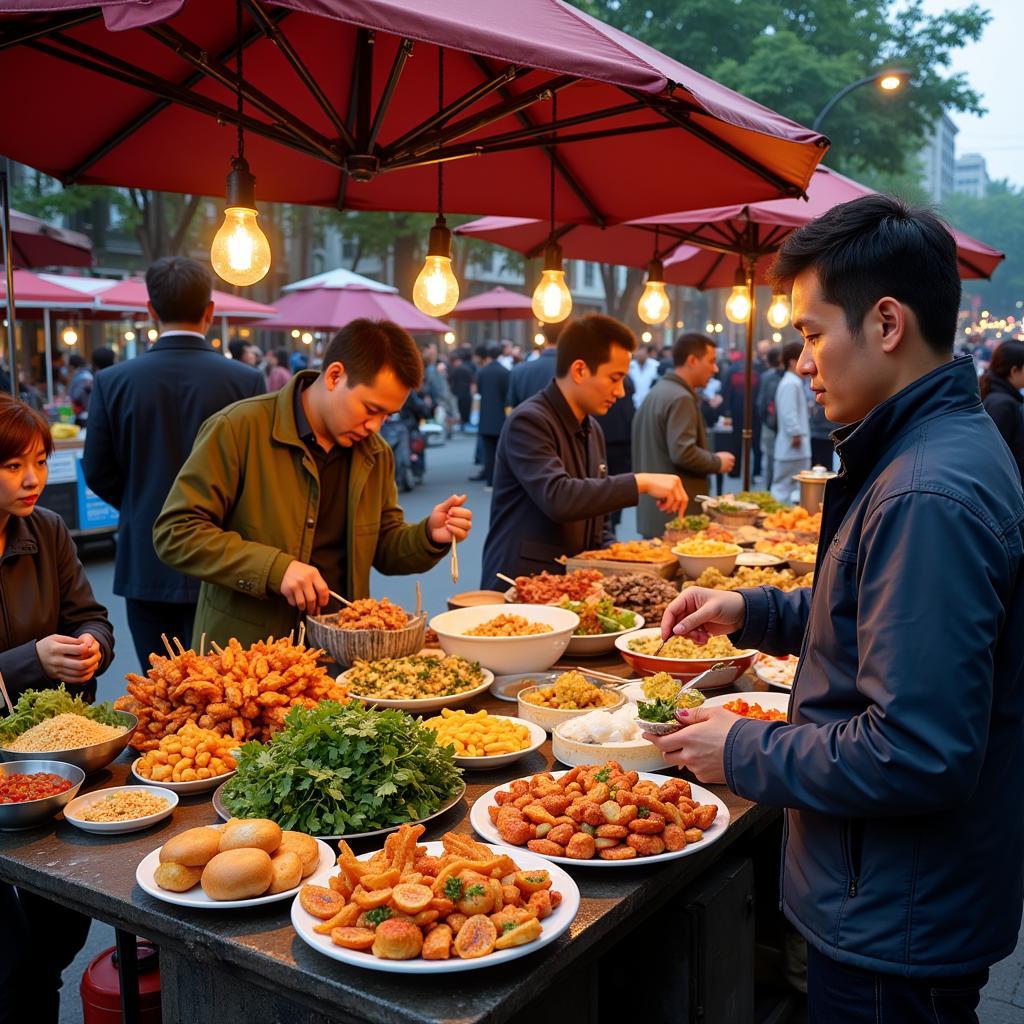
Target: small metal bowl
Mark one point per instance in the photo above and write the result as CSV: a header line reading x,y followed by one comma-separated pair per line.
x,y
90,759
31,813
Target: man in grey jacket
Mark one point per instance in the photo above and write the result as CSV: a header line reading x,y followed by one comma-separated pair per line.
x,y
669,434
901,761
793,437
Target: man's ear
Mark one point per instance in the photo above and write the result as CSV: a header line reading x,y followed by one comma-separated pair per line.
x,y
891,322
334,375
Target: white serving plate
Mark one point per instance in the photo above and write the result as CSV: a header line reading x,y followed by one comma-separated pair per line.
x,y
768,700
633,755
537,738
481,822
553,926
759,560
768,669
183,788
196,899
80,803
423,705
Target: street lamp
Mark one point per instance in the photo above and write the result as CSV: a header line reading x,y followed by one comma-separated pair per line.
x,y
888,79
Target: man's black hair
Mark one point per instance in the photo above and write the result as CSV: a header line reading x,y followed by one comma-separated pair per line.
x,y
774,357
875,246
590,338
690,344
179,289
790,351
365,347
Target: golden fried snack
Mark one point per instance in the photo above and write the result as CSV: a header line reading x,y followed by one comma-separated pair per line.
x,y
194,848
398,940
304,847
476,938
519,935
287,872
353,938
176,877
320,901
438,944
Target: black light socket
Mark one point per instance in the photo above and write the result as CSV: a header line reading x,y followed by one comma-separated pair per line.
x,y
241,190
440,239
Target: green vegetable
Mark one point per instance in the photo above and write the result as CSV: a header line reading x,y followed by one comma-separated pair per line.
x,y
643,812
35,706
474,891
762,499
598,617
377,915
692,523
660,710
604,774
337,769
507,927
453,889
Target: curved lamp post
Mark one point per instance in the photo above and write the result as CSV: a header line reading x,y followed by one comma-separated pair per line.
x,y
888,79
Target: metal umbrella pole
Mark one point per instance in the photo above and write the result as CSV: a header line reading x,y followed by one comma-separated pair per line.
x,y
9,265
748,379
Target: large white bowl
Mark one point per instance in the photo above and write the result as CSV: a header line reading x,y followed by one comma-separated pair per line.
x,y
506,654
600,643
694,565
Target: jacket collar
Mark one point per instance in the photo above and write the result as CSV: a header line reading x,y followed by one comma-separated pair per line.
x,y
286,430
553,393
1004,387
671,377
949,388
177,340
20,539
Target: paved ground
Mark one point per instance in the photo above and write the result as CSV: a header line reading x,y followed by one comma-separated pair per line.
x,y
447,471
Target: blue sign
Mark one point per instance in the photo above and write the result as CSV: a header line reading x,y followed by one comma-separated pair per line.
x,y
93,512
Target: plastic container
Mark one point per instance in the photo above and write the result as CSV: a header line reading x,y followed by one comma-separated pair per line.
x,y
101,987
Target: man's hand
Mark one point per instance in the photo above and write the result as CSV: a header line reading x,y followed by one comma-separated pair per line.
x,y
304,588
726,461
450,521
69,658
700,744
666,488
797,442
698,613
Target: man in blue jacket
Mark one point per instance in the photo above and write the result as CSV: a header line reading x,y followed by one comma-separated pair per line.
x,y
902,761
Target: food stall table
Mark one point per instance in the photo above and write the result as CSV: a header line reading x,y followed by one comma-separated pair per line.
x,y
225,966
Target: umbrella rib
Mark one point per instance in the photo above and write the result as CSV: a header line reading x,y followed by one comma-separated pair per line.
x,y
702,284
361,88
45,28
271,29
686,122
283,119
402,55
567,176
465,101
556,236
125,73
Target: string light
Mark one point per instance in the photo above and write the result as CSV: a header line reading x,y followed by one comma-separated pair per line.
x,y
646,337
654,305
307,338
152,334
737,306
296,334
778,311
129,335
539,339
449,338
69,336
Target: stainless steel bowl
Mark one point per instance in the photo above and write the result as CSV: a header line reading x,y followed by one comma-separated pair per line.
x,y
90,759
37,812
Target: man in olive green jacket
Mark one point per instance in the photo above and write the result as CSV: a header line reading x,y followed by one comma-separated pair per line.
x,y
290,494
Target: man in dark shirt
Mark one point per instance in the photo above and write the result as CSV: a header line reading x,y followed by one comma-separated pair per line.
x,y
535,375
492,386
144,415
552,491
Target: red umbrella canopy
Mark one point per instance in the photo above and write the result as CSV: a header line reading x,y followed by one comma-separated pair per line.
x,y
497,304
30,290
341,102
333,308
130,296
34,243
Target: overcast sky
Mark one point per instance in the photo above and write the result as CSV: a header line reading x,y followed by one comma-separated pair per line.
x,y
992,68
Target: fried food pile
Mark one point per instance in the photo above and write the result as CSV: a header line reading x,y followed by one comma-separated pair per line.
x,y
509,625
366,613
796,518
546,588
788,549
572,691
753,576
244,694
577,815
632,551
402,904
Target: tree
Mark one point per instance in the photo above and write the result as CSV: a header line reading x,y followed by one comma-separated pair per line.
x,y
998,220
794,57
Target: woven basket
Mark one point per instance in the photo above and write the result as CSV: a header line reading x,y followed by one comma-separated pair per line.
x,y
347,646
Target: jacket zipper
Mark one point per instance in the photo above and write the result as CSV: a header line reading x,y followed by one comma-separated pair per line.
x,y
852,834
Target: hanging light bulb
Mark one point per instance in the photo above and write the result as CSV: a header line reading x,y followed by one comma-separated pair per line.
x,y
436,291
69,336
654,306
552,301
240,253
737,306
449,337
539,339
152,334
778,311
307,338
646,337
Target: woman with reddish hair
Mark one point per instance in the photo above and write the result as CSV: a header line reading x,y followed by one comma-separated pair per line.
x,y
52,630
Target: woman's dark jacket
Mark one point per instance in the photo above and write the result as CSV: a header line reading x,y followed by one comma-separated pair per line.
x,y
1005,404
43,590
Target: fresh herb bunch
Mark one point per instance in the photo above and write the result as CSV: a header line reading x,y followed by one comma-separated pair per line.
x,y
693,523
764,501
600,616
35,706
660,710
337,769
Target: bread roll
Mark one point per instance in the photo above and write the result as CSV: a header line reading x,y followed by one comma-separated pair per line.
x,y
193,848
397,940
287,870
306,848
238,875
176,877
254,833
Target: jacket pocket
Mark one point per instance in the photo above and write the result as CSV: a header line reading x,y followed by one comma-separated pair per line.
x,y
853,848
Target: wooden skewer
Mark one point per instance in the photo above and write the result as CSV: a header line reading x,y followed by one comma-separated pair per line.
x,y
217,647
604,676
338,597
202,646
167,644
179,645
419,598
507,579
302,633
6,695
455,561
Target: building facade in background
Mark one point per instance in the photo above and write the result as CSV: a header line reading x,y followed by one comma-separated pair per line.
x,y
938,160
970,175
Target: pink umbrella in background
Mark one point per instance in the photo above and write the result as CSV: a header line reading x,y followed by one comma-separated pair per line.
x,y
327,302
498,304
34,243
